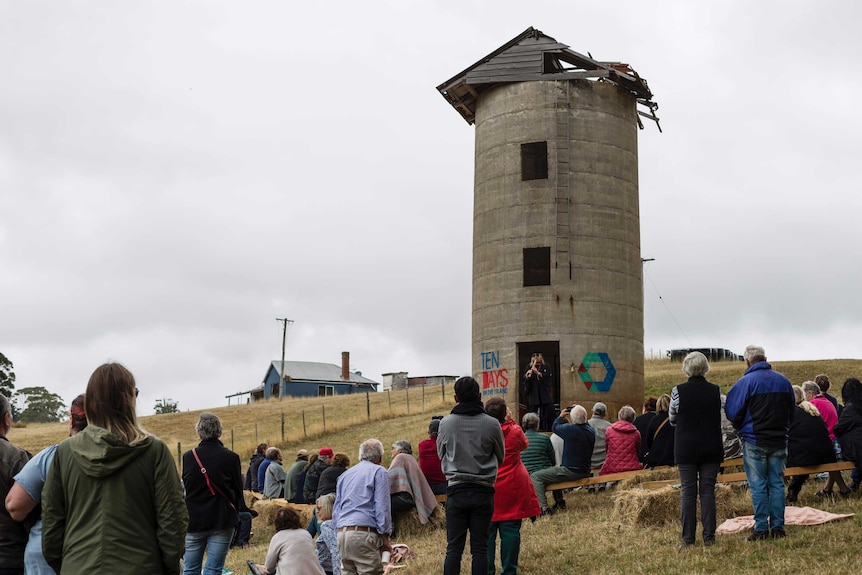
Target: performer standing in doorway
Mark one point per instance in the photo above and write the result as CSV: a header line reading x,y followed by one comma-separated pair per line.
x,y
536,390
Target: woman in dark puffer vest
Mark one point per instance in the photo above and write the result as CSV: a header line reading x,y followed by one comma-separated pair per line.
x,y
695,412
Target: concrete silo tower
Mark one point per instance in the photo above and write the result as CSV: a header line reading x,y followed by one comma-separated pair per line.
x,y
556,233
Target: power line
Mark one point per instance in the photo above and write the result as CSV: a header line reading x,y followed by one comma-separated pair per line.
x,y
661,299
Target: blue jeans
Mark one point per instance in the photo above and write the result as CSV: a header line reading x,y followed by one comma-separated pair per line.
x,y
764,469
469,507
698,479
215,543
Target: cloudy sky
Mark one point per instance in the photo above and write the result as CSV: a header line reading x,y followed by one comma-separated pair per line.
x,y
176,175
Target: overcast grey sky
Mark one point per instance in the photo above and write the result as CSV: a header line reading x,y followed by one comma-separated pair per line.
x,y
176,175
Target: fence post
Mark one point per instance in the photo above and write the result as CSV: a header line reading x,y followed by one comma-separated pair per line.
x,y
323,410
423,398
282,427
231,440
179,453
256,440
304,434
407,397
389,397
443,389
368,405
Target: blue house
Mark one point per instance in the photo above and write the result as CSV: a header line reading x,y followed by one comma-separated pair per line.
x,y
311,379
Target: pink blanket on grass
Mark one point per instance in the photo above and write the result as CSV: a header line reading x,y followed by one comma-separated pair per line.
x,y
792,516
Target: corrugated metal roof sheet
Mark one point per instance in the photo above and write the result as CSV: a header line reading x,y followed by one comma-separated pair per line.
x,y
314,371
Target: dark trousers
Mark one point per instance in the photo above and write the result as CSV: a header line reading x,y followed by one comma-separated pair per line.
x,y
698,479
243,530
510,546
469,507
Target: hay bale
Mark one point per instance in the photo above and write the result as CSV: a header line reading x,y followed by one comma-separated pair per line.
x,y
643,507
649,475
407,524
267,508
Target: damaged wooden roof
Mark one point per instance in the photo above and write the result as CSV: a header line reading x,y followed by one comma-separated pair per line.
x,y
532,56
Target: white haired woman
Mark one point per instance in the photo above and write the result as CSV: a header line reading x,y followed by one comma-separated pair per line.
x,y
213,482
695,412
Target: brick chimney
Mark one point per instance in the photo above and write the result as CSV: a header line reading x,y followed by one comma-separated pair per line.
x,y
345,365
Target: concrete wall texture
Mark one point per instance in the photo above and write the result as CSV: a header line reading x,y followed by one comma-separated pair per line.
x,y
586,212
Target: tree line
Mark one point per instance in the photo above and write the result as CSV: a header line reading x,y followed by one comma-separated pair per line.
x,y
38,405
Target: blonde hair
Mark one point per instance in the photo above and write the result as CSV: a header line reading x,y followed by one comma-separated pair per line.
x,y
325,503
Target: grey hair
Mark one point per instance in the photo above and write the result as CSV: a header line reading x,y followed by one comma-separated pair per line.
x,y
753,354
273,453
695,364
371,450
326,503
208,426
579,414
403,446
5,407
627,413
530,420
811,387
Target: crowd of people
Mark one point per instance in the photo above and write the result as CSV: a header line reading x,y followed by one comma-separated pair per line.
x,y
109,498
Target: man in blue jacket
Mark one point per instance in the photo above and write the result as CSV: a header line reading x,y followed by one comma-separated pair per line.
x,y
760,406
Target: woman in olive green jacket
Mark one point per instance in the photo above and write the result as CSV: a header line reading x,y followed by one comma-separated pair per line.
x,y
113,501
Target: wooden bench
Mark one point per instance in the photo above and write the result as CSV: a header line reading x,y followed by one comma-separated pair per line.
x,y
602,479
736,477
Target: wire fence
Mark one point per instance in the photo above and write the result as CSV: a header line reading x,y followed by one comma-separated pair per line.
x,y
302,419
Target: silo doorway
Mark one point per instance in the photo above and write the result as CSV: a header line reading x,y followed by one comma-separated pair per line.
x,y
550,351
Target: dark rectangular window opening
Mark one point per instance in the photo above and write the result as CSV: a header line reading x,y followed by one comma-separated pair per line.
x,y
325,390
534,161
537,266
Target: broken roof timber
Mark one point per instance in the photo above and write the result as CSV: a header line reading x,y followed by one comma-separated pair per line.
x,y
533,56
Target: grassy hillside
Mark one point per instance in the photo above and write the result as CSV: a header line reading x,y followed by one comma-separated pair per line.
x,y
588,538
660,375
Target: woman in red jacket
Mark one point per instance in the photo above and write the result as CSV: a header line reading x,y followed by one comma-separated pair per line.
x,y
514,495
622,440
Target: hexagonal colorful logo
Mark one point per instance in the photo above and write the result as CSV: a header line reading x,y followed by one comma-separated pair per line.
x,y
584,371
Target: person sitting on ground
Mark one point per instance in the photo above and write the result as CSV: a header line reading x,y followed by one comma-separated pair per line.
x,y
579,440
312,477
429,461
291,549
254,464
849,427
26,492
623,442
514,498
273,487
807,442
408,487
600,425
823,383
729,438
660,436
642,423
292,475
327,543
